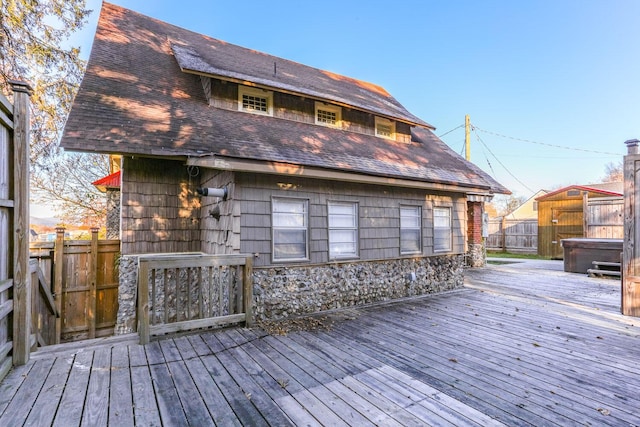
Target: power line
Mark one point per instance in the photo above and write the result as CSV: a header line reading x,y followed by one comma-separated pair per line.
x,y
455,128
542,143
498,160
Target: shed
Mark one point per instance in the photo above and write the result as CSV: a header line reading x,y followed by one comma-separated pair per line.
x,y
561,214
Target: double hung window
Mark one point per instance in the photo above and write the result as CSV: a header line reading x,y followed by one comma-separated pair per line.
x,y
343,230
410,230
290,219
441,229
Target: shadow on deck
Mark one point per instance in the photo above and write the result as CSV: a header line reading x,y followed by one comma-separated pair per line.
x,y
521,344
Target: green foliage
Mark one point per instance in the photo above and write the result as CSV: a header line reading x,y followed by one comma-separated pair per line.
x,y
32,37
33,48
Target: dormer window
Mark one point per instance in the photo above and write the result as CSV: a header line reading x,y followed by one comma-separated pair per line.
x,y
254,100
385,128
328,115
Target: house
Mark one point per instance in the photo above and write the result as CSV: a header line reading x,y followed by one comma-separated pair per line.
x,y
518,230
561,214
341,195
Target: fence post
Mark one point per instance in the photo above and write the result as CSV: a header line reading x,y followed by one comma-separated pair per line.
x,y
247,297
21,274
58,269
630,269
143,301
93,278
503,234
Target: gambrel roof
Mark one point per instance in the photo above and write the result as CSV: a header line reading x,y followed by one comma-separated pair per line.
x,y
142,95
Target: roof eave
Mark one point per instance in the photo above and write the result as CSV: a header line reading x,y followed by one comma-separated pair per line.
x,y
288,169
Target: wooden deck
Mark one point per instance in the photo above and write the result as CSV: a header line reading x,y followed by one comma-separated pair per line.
x,y
518,346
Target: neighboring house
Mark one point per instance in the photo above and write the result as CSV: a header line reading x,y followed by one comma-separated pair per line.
x,y
561,214
518,230
341,195
528,209
110,185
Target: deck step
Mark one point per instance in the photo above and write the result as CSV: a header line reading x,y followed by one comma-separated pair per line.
x,y
597,272
605,264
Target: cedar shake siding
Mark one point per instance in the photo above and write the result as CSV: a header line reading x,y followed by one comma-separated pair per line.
x,y
160,210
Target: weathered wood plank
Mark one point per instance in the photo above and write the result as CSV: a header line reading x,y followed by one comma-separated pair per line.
x,y
16,402
258,396
239,401
145,409
47,403
212,397
95,412
171,412
75,390
154,353
196,411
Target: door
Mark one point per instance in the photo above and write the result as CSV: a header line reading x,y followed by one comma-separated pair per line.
x,y
565,224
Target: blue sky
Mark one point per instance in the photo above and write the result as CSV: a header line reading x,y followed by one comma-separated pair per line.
x,y
541,73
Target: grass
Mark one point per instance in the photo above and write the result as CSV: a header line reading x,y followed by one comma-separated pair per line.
x,y
492,254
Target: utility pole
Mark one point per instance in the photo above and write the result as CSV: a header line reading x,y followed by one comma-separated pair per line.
x,y
467,138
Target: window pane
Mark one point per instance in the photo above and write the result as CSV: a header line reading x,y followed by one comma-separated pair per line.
x,y
289,219
442,229
343,242
409,241
410,230
289,244
343,229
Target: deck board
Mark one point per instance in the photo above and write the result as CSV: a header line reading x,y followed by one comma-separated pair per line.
x,y
516,347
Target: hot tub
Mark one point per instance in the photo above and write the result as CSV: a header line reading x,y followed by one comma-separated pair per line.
x,y
579,253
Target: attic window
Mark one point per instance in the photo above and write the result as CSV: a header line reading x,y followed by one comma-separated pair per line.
x,y
253,100
573,193
385,128
328,115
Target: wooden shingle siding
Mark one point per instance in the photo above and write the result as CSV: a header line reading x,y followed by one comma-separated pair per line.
x,y
221,236
292,107
224,95
378,215
160,212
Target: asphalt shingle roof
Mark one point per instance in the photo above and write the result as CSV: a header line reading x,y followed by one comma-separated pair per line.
x,y
136,99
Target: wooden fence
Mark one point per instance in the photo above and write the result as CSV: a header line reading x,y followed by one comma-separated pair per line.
x,y
604,218
513,235
15,290
180,292
44,313
85,284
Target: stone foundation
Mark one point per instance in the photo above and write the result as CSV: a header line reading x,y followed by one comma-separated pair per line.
x,y
283,291
476,255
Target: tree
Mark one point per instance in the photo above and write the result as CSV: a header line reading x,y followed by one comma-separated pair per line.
x,y
613,172
505,204
33,35
67,185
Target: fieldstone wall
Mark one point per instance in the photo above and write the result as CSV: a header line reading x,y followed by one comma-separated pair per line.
x,y
283,291
127,295
476,255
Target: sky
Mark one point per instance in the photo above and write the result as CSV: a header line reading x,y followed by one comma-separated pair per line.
x,y
552,87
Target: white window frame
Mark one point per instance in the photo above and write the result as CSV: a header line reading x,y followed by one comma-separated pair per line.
x,y
411,222
321,106
381,121
297,221
442,229
337,226
258,93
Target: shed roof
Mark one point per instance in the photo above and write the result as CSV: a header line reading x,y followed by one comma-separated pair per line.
x,y
607,189
136,99
107,182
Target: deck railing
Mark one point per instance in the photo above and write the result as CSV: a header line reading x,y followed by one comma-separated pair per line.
x,y
182,292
